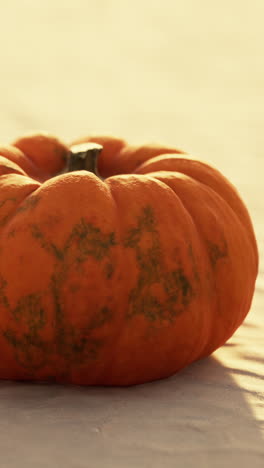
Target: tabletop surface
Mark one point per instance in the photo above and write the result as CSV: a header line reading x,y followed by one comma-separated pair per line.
x,y
189,74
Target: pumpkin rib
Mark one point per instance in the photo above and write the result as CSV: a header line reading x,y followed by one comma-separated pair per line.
x,y
111,182
216,181
213,306
45,151
140,181
130,157
58,246
15,185
18,157
226,208
7,166
116,293
120,292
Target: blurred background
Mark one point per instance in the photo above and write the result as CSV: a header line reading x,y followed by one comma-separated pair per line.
x,y
185,73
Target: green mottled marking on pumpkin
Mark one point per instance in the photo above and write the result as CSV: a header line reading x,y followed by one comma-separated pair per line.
x,y
49,246
56,283
145,223
103,316
177,289
31,350
90,241
3,297
109,270
74,345
30,203
217,252
12,233
84,241
79,346
3,205
87,239
30,311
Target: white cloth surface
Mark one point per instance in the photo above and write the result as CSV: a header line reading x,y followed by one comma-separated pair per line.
x,y
189,74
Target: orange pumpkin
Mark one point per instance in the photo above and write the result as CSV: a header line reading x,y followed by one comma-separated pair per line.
x,y
121,271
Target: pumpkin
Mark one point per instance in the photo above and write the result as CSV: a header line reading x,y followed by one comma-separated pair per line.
x,y
118,264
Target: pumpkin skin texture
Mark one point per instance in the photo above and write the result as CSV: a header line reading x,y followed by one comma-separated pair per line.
x,y
123,280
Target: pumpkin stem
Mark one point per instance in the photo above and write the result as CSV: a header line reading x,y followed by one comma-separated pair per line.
x,y
84,157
